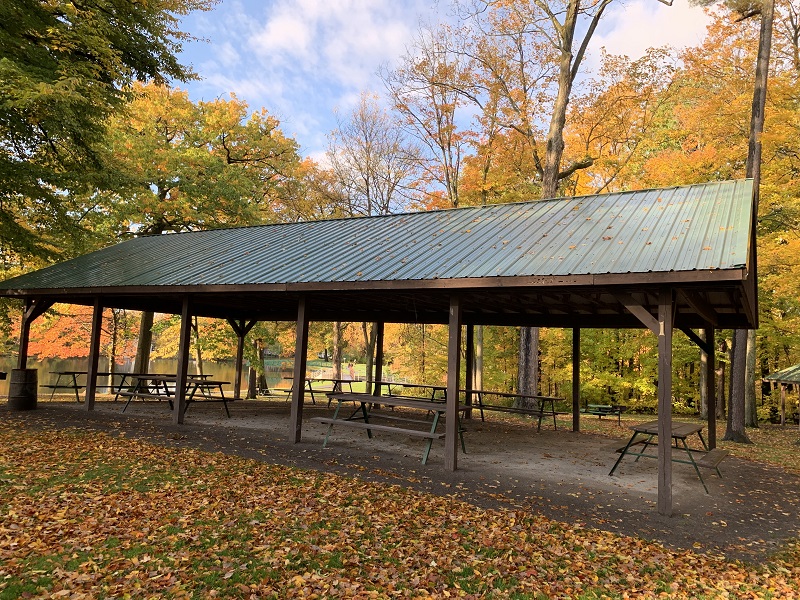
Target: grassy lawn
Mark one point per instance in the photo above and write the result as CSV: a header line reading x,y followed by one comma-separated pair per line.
x,y
88,515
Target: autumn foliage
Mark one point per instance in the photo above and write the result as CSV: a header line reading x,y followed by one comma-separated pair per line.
x,y
86,514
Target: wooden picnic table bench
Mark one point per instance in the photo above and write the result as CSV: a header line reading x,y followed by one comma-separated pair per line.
x,y
604,410
544,406
363,417
161,387
74,380
644,433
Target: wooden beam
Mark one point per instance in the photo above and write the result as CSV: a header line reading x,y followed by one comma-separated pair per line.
x,y
576,380
94,355
241,329
299,375
701,307
185,342
665,320
699,342
640,312
453,373
34,308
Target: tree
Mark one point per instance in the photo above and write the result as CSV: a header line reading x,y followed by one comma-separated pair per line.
x,y
612,119
744,360
374,164
188,166
525,57
64,69
375,167
429,111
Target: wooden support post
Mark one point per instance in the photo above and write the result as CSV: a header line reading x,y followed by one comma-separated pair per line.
x,y
576,379
711,388
665,323
241,329
24,336
376,389
783,404
453,372
94,354
469,369
185,342
237,382
299,375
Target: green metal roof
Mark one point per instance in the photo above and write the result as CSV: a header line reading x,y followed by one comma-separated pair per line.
x,y
787,375
697,227
567,262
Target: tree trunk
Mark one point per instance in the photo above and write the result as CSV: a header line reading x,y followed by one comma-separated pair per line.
x,y
370,334
735,429
141,363
198,351
337,350
252,378
752,169
477,382
528,368
750,408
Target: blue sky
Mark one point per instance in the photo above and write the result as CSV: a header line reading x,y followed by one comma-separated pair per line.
x,y
304,59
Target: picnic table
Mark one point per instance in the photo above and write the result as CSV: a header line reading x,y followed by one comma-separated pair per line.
x,y
74,380
645,433
157,386
543,406
395,388
337,386
363,417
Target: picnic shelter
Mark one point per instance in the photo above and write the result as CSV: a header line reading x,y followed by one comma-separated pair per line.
x,y
680,257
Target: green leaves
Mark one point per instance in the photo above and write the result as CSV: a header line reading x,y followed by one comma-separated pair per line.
x,y
63,70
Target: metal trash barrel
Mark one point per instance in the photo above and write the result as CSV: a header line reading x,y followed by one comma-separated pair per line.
x,y
22,389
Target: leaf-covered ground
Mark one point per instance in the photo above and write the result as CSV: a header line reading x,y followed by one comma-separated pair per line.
x,y
89,515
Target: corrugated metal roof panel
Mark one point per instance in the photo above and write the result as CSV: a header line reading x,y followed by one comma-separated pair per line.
x,y
787,375
695,227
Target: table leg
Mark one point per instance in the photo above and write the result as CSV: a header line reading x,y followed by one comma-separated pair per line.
x,y
136,388
123,377
330,425
224,401
623,453
55,386
311,391
75,387
429,441
645,445
691,459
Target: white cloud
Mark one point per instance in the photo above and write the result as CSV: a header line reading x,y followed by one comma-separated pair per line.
x,y
285,34
302,59
633,27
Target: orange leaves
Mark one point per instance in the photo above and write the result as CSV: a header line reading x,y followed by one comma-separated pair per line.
x,y
85,514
